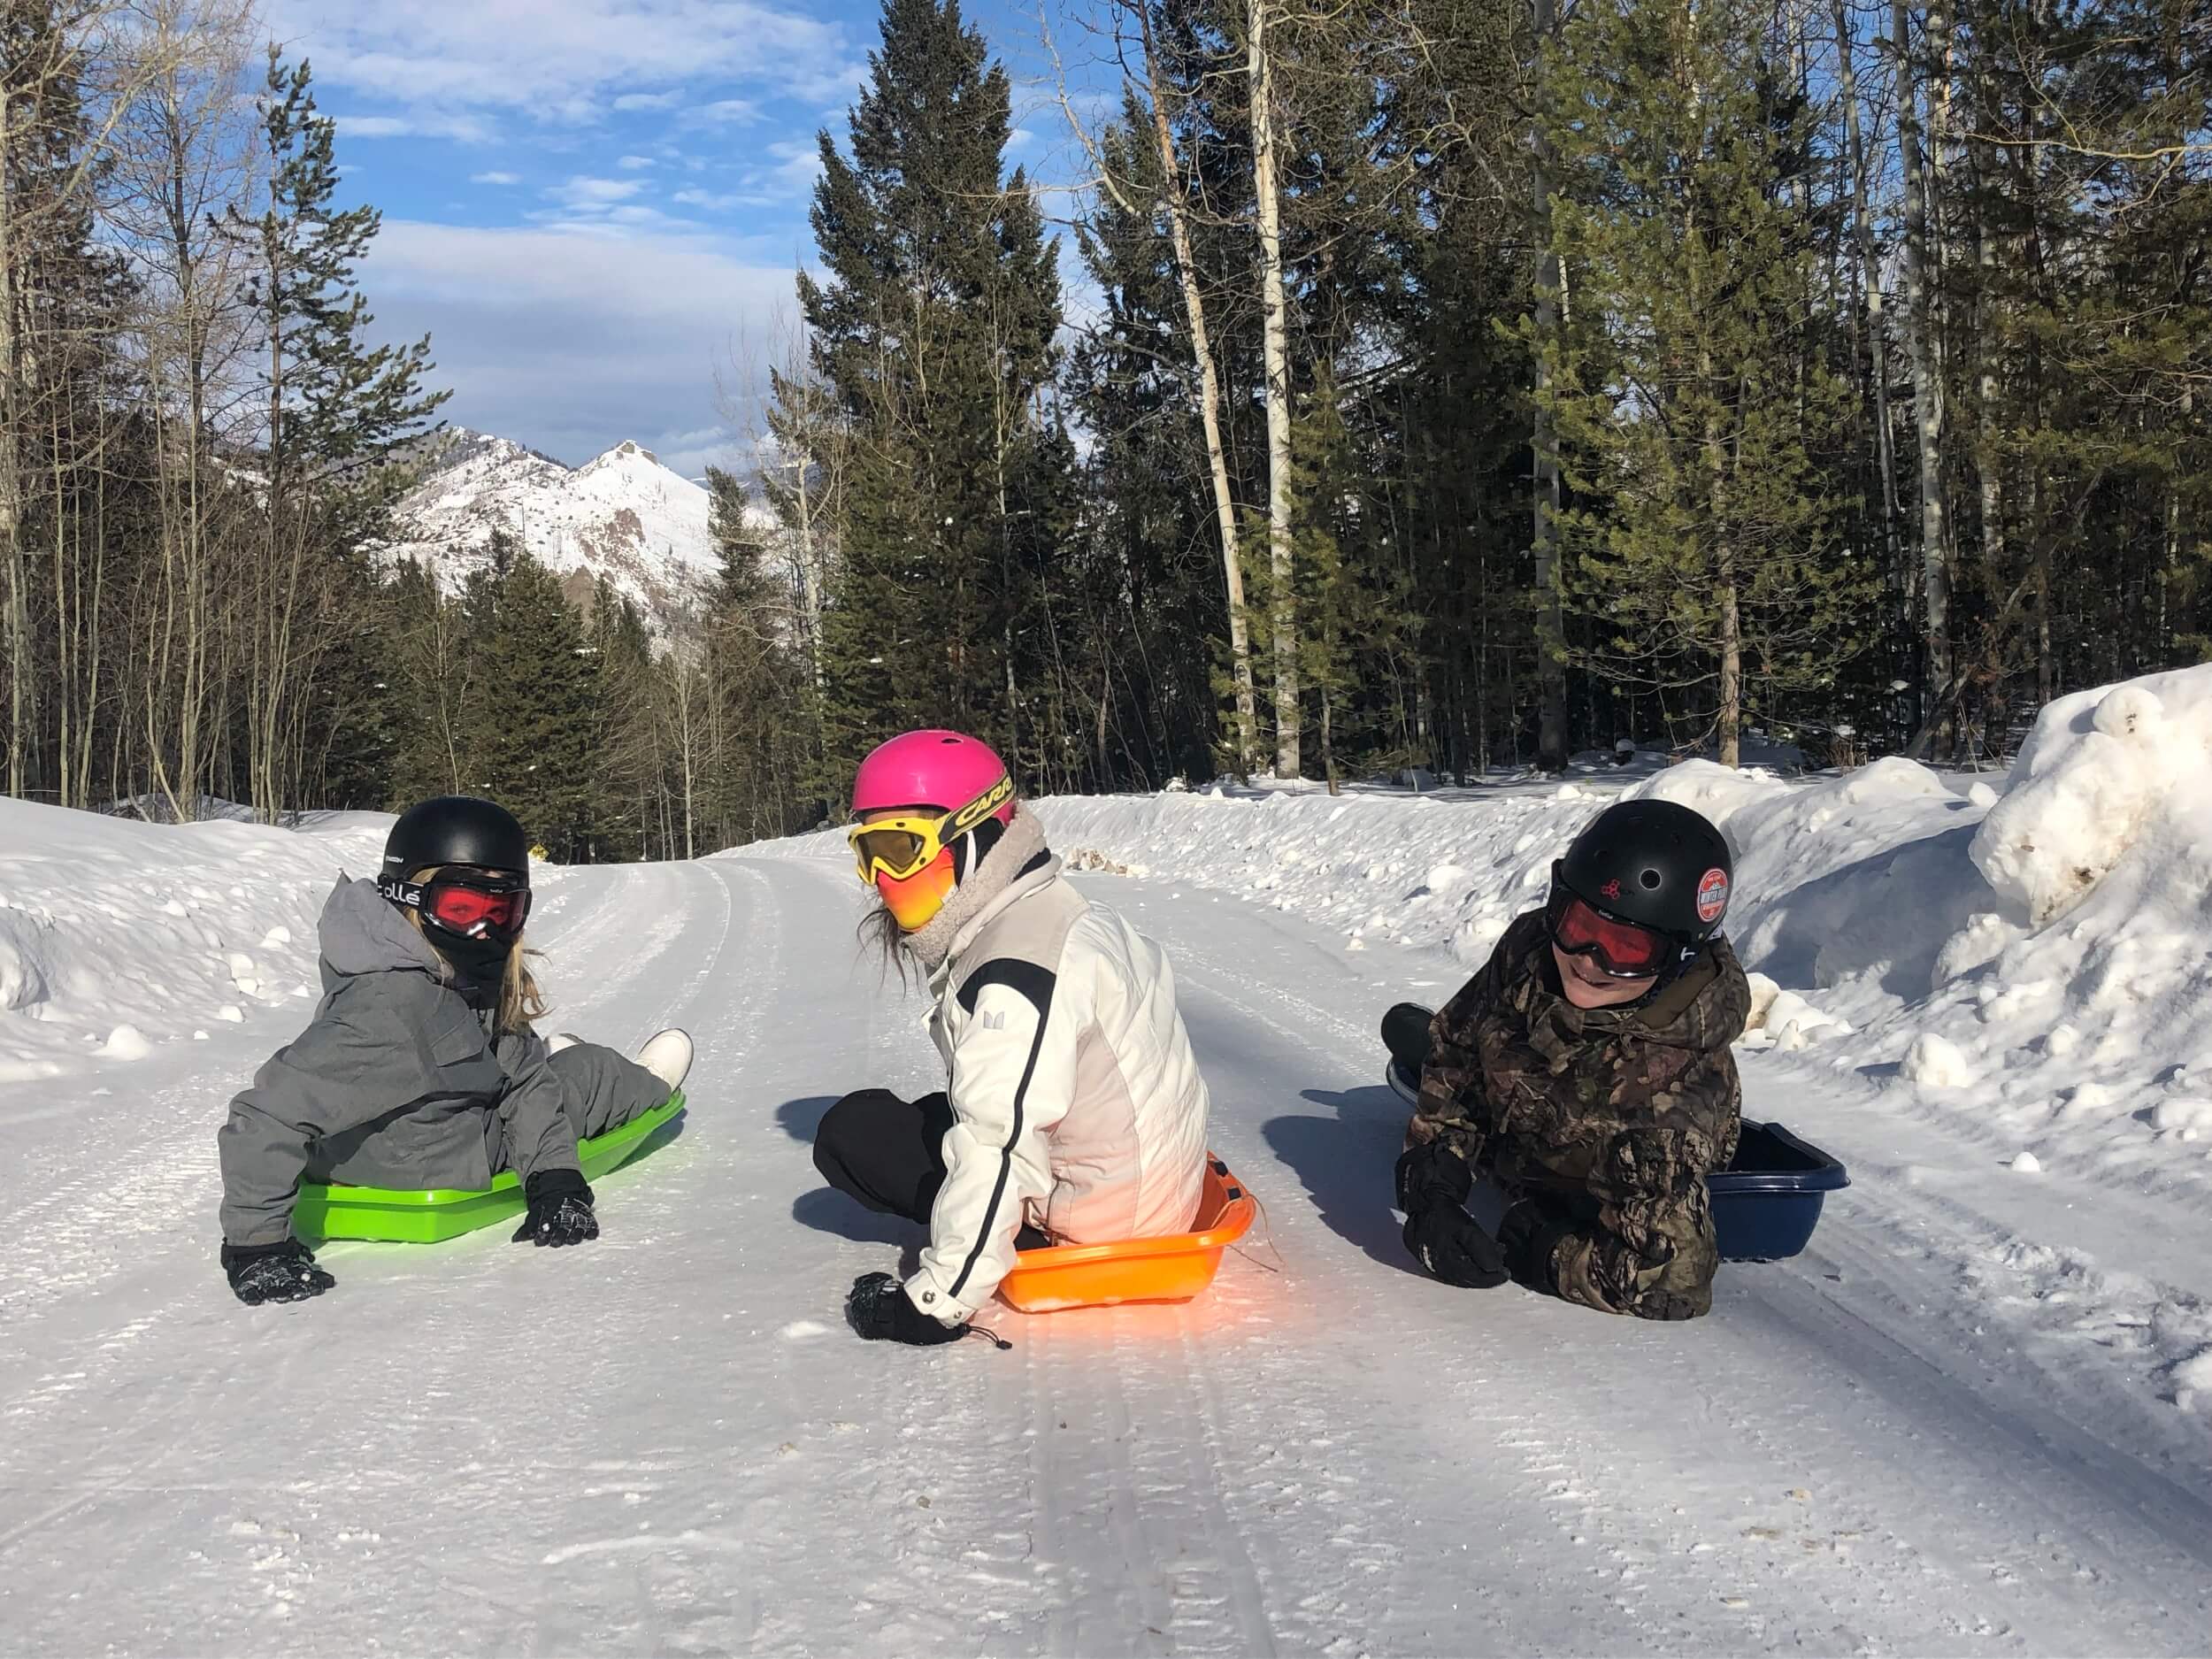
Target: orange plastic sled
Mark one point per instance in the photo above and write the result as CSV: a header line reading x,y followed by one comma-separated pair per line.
x,y
1173,1269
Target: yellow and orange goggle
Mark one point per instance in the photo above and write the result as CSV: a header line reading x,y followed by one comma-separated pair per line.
x,y
902,846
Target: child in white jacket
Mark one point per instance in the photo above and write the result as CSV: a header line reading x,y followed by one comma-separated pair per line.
x,y
1073,1111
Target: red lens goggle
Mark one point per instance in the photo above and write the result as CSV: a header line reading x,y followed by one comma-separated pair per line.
x,y
1623,951
475,907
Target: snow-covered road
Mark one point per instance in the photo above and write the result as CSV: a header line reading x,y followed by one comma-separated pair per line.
x,y
668,1442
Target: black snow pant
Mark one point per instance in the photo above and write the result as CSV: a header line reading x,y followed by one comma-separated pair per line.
x,y
888,1154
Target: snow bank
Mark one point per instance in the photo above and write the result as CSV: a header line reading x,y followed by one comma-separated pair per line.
x,y
117,937
2102,773
2033,959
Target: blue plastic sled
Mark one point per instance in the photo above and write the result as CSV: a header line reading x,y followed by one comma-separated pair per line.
x,y
1765,1203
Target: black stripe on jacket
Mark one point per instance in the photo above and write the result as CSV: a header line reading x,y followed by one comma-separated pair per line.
x,y
1034,983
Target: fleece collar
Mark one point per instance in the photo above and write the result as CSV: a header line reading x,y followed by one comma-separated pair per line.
x,y
1003,874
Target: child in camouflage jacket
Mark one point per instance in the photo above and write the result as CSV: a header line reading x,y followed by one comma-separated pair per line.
x,y
1579,1088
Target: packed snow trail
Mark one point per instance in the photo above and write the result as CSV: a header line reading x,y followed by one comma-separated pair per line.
x,y
669,1443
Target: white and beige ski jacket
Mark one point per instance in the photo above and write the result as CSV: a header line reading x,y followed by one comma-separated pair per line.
x,y
1078,1106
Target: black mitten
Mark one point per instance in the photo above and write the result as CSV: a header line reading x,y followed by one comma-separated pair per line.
x,y
880,1310
560,1210
1433,1183
273,1272
1447,1241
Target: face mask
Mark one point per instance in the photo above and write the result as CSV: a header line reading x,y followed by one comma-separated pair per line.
x,y
479,964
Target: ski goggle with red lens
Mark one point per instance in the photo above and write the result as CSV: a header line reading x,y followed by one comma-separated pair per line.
x,y
473,906
1622,949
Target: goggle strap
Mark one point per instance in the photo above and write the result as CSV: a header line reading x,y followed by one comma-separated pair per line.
x,y
399,892
989,802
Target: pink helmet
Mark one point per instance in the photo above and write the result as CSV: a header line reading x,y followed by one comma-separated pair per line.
x,y
933,769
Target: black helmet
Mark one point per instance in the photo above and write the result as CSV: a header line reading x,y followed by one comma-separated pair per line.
x,y
455,829
1654,864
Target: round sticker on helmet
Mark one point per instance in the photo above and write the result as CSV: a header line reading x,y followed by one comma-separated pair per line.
x,y
1712,895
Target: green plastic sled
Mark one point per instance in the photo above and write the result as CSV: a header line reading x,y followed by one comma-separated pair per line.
x,y
385,1215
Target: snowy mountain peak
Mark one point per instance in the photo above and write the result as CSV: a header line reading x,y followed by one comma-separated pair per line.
x,y
622,515
622,451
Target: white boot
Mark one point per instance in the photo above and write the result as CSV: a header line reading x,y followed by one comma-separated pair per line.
x,y
667,1055
564,1040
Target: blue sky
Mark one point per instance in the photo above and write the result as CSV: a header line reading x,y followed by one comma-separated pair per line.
x,y
595,206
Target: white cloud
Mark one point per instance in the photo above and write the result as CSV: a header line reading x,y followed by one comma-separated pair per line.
x,y
798,165
493,177
563,61
581,192
466,129
692,452
832,84
632,163
572,344
714,201
725,113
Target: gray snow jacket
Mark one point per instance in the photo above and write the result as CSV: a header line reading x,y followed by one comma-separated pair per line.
x,y
396,1082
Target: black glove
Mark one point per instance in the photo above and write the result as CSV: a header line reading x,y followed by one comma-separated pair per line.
x,y
881,1311
273,1272
1433,1186
1526,1239
560,1210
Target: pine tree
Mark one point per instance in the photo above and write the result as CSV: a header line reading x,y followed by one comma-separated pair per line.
x,y
539,711
934,322
432,667
759,701
630,735
336,411
1699,420
337,408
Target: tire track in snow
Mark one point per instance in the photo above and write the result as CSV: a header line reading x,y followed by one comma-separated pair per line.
x,y
1134,1521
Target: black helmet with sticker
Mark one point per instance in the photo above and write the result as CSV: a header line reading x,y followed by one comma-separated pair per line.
x,y
1655,864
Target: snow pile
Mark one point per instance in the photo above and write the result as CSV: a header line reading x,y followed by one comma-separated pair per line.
x,y
1933,1062
622,515
120,937
2102,773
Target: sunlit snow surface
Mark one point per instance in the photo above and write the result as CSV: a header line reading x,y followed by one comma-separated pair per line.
x,y
1976,1417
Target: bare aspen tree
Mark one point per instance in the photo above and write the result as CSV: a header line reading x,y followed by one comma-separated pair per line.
x,y
1988,450
187,148
1936,686
1275,309
802,445
1876,315
1551,630
1208,397
15,611
76,57
1174,203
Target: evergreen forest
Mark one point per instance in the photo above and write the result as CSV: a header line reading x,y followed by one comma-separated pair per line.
x,y
1403,388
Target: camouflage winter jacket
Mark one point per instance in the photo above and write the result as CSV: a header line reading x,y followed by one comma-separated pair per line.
x,y
1607,1120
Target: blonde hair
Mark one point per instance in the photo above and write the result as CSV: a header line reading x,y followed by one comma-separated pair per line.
x,y
521,1000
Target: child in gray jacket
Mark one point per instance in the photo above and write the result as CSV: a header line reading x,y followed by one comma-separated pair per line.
x,y
420,1068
